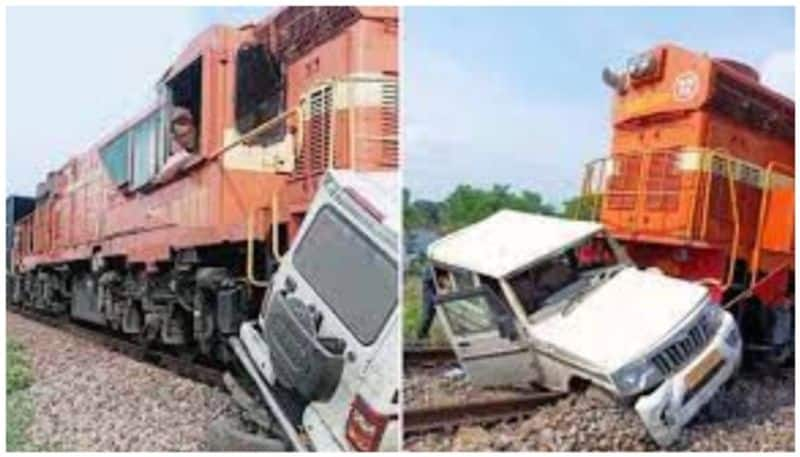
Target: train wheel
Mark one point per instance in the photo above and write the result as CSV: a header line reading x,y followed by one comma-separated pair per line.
x,y
767,332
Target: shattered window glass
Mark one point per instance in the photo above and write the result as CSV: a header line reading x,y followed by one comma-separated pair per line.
x,y
469,315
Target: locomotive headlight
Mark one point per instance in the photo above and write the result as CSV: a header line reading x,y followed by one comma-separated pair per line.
x,y
641,65
635,377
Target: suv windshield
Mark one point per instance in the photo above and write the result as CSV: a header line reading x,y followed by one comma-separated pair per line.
x,y
349,272
564,275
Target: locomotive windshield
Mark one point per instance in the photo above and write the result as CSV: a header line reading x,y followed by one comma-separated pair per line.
x,y
259,91
349,273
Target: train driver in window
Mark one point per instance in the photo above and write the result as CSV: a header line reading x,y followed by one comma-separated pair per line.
x,y
184,132
183,145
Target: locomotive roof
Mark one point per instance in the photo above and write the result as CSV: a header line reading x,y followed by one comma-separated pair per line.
x,y
508,241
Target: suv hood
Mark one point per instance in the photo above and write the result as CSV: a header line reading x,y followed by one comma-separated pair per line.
x,y
620,319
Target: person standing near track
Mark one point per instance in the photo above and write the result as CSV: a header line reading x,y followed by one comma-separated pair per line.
x,y
430,279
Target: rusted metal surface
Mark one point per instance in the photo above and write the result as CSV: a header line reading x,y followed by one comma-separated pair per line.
x,y
427,356
442,417
179,365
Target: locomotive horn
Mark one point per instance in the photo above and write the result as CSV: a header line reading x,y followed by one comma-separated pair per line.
x,y
614,80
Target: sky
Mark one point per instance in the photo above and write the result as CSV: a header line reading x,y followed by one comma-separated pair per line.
x,y
74,73
514,96
490,95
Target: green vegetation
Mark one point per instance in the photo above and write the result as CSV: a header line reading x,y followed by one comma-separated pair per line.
x,y
19,406
18,371
467,205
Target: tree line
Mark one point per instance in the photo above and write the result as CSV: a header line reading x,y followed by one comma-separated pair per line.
x,y
467,205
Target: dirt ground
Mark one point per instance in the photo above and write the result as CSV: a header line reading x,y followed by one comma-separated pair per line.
x,y
88,398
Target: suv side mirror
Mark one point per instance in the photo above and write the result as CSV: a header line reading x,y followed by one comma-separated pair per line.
x,y
290,285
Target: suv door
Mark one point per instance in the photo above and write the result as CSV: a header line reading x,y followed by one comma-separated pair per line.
x,y
483,334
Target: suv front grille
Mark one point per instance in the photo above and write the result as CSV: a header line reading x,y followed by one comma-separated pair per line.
x,y
680,351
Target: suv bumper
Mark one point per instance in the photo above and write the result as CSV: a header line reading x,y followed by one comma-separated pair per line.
x,y
675,402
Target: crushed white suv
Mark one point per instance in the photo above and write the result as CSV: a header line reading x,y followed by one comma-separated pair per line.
x,y
528,299
323,351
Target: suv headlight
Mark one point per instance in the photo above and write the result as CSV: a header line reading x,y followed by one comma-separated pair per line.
x,y
711,318
635,377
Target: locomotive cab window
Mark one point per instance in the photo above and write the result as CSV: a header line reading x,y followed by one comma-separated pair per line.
x,y
145,143
185,113
179,123
259,92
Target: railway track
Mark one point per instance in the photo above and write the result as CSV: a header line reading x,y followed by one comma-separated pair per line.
x,y
181,365
427,356
429,418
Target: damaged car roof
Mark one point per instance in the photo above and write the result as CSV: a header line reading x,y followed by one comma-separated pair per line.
x,y
508,241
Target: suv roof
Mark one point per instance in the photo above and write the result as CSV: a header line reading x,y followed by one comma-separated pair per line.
x,y
508,241
379,188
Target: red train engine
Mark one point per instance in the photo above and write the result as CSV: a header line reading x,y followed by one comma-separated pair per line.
x,y
167,229
700,183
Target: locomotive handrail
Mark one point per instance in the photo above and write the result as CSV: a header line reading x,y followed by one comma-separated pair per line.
x,y
640,192
736,227
250,247
762,214
706,200
275,219
254,132
586,190
251,212
707,162
249,258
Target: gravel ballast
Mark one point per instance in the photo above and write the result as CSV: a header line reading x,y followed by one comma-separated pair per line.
x,y
755,413
88,398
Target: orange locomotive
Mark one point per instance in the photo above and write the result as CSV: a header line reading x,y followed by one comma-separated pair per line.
x,y
700,183
166,228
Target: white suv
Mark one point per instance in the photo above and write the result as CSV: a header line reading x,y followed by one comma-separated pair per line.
x,y
327,336
534,299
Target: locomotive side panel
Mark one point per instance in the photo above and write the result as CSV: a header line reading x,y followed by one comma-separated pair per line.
x,y
149,228
341,86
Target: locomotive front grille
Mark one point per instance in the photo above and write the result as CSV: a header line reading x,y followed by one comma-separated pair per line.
x,y
680,351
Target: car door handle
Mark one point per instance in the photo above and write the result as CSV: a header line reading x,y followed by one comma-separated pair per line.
x,y
463,344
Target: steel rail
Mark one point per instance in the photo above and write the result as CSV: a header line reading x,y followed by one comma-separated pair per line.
x,y
429,418
421,355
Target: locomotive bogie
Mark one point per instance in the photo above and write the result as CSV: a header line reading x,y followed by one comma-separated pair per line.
x,y
186,303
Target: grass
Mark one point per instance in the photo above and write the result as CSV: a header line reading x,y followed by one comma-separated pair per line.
x,y
18,370
412,312
19,405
